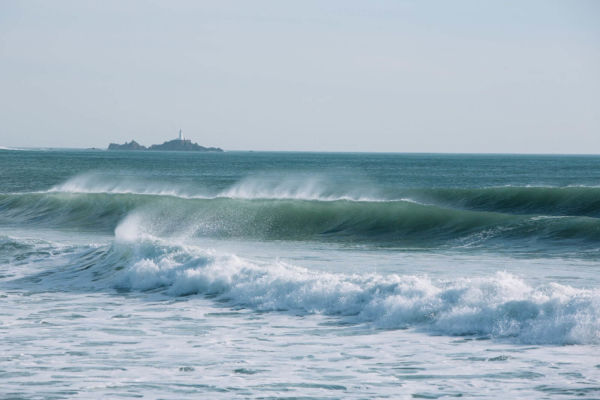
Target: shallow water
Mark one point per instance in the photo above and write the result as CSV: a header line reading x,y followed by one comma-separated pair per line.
x,y
298,275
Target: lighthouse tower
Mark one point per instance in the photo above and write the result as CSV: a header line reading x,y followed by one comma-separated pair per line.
x,y
180,135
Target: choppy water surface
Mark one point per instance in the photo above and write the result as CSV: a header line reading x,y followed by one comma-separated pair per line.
x,y
298,275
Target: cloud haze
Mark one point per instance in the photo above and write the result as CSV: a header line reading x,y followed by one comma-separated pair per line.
x,y
429,76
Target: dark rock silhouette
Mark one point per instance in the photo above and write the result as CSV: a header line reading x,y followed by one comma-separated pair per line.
x,y
133,145
171,145
182,145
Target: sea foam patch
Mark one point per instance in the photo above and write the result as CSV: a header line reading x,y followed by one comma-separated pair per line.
x,y
499,306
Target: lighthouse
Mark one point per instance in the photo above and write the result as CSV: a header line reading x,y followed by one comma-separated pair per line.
x,y
180,135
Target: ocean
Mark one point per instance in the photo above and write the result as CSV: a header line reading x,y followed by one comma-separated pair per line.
x,y
270,275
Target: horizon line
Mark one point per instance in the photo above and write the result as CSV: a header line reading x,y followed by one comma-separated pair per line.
x,y
9,148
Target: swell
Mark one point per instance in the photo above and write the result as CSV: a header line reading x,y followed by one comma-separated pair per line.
x,y
386,223
500,305
556,201
65,210
519,200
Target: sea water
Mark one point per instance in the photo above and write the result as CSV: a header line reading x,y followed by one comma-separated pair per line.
x,y
298,275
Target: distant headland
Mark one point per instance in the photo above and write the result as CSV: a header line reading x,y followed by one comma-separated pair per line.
x,y
179,144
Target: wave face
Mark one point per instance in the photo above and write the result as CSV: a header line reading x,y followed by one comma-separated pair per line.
x,y
499,306
385,223
556,201
551,201
304,209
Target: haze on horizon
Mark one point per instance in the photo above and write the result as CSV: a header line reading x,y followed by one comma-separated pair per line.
x,y
399,76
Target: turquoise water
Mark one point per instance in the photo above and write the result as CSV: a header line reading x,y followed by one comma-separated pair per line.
x,y
314,275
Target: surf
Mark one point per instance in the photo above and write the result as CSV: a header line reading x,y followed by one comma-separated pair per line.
x,y
498,306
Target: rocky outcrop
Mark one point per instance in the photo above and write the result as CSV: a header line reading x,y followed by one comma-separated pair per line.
x,y
133,145
171,145
182,145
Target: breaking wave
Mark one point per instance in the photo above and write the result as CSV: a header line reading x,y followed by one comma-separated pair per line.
x,y
500,306
308,208
400,223
541,200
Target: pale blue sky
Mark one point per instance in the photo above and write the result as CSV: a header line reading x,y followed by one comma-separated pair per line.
x,y
427,76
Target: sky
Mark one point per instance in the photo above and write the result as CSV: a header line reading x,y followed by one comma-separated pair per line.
x,y
393,76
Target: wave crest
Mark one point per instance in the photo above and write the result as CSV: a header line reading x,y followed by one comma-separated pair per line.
x,y
295,186
555,201
498,306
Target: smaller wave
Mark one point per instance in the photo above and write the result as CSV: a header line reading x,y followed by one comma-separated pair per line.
x,y
10,148
19,257
500,306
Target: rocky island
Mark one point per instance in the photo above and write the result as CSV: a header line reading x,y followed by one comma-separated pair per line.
x,y
133,145
179,144
182,145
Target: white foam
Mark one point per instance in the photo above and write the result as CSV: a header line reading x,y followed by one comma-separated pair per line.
x,y
501,305
10,148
